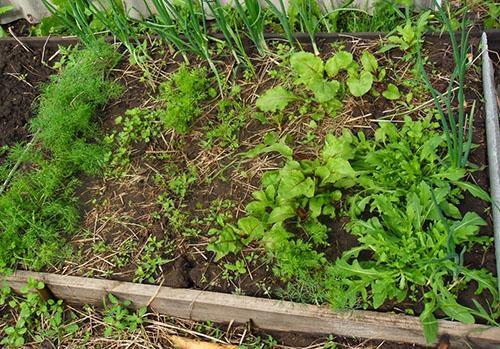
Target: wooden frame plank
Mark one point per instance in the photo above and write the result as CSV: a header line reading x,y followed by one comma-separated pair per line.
x,y
264,313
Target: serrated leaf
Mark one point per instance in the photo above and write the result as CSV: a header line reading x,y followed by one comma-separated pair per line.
x,y
473,189
468,226
275,99
429,323
392,92
359,86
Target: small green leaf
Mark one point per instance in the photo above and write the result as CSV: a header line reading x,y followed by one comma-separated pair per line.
x,y
341,60
358,87
369,62
392,92
279,147
275,99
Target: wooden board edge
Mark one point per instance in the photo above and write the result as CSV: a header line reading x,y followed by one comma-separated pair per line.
x,y
266,314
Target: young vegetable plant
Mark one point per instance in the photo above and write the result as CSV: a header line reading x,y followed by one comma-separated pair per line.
x,y
118,318
117,21
307,16
403,211
408,38
325,81
416,234
39,321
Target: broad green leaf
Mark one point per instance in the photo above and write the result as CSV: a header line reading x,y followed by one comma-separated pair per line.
x,y
307,65
474,189
359,86
252,227
369,62
280,214
295,184
456,311
341,60
275,99
324,90
452,173
276,237
334,170
257,208
392,92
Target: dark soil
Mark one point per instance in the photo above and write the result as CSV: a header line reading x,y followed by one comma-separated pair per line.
x,y
21,73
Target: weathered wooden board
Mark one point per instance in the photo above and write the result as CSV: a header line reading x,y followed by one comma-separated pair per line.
x,y
264,313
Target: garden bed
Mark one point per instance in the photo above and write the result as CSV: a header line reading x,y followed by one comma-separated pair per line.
x,y
151,218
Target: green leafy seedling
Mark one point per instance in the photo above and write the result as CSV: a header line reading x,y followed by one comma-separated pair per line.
x,y
360,86
392,92
275,99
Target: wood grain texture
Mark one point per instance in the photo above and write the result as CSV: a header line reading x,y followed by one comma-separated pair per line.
x,y
264,313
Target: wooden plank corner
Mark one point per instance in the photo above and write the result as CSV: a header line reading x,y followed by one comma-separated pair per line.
x,y
265,314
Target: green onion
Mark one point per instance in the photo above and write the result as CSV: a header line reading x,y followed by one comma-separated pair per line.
x,y
117,22
282,16
74,18
230,33
252,17
457,128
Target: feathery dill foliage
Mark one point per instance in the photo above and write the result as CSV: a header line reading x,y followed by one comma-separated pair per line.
x,y
64,123
40,208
